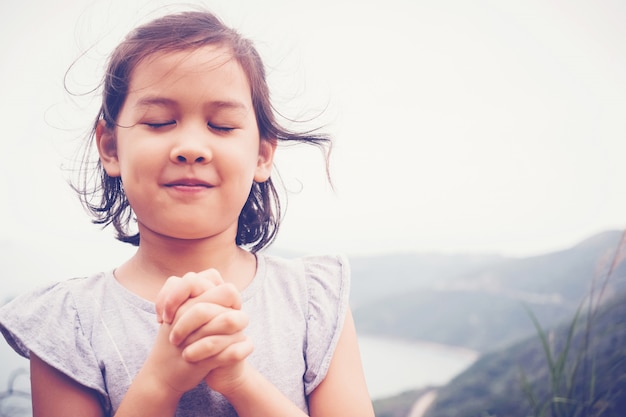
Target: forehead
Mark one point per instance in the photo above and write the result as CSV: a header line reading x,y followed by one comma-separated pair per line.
x,y
211,69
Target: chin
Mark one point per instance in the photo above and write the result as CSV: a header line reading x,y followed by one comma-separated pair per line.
x,y
195,236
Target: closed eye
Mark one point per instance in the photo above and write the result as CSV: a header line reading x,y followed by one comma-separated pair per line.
x,y
224,129
160,124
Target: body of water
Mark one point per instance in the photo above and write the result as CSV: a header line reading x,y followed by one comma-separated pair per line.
x,y
391,366
394,366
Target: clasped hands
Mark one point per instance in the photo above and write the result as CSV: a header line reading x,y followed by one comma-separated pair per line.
x,y
201,334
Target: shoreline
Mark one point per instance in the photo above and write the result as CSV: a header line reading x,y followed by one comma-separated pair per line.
x,y
394,365
423,403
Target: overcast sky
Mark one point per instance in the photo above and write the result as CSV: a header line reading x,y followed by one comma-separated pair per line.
x,y
482,126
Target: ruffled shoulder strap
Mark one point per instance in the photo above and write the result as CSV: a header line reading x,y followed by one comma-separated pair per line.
x,y
328,288
47,323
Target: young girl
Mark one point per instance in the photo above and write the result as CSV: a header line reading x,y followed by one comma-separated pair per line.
x,y
198,322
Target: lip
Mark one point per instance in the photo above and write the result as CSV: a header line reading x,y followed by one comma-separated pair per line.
x,y
188,183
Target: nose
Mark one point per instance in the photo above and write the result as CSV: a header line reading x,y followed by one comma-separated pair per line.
x,y
191,150
190,157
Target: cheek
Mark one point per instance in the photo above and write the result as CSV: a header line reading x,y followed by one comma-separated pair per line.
x,y
135,175
137,155
239,162
131,173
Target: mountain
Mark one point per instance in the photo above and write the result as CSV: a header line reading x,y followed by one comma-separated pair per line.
x,y
381,276
593,380
479,303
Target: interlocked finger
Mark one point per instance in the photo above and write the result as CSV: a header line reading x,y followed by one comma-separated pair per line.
x,y
206,320
218,348
177,290
225,294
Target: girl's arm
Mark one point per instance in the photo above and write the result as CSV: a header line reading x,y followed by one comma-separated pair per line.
x,y
56,395
343,393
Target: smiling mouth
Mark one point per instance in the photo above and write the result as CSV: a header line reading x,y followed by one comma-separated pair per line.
x,y
188,188
188,183
173,185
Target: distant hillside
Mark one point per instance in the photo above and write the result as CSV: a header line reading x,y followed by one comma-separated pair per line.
x,y
479,305
492,386
380,276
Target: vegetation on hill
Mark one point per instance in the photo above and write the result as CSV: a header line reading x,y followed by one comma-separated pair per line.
x,y
593,378
575,368
399,405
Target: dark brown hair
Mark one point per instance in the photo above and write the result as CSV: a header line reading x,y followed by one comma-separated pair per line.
x,y
104,197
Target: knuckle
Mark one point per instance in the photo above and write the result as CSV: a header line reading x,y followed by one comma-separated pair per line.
x,y
235,320
242,350
207,344
196,313
232,290
189,275
229,320
172,280
200,350
231,294
212,275
206,311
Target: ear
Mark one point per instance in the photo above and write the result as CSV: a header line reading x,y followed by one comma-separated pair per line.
x,y
107,149
267,147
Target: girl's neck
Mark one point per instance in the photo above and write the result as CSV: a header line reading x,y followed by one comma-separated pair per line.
x,y
156,260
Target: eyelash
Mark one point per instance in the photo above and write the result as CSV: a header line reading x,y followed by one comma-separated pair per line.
x,y
221,128
173,122
159,125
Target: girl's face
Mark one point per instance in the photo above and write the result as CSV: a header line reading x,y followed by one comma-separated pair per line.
x,y
187,145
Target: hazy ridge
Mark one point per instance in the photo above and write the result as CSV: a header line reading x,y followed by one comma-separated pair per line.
x,y
484,309
476,302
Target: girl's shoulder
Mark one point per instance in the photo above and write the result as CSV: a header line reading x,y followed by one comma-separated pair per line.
x,y
297,307
308,268
303,279
64,311
54,322
320,289
45,307
62,294
71,285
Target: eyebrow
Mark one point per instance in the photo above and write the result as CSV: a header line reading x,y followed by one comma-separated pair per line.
x,y
167,102
155,101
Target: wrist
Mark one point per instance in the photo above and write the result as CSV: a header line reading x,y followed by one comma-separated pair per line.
x,y
158,386
235,388
253,395
149,396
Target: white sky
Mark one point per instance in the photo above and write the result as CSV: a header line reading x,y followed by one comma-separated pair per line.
x,y
483,126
